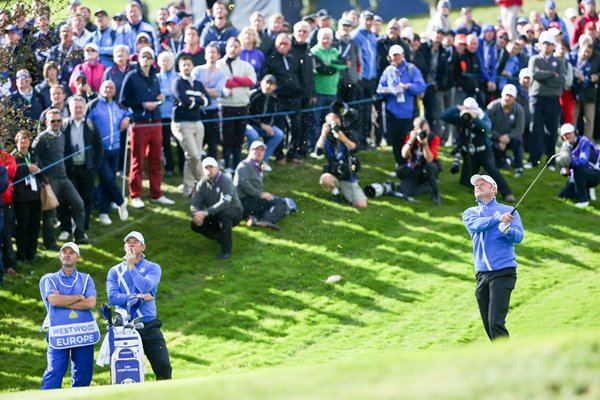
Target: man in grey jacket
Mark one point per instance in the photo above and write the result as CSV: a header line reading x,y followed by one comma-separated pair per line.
x,y
260,207
548,73
216,208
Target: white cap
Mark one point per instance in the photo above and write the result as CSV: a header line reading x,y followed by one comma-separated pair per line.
x,y
92,45
566,128
210,161
571,12
554,32
135,235
546,37
72,246
396,49
510,89
471,103
407,33
256,144
486,178
525,73
147,50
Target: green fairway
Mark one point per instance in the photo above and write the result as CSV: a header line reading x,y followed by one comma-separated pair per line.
x,y
402,323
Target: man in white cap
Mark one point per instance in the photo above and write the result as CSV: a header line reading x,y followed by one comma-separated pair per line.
x,y
494,230
216,208
474,144
69,297
260,207
137,277
582,166
508,123
548,72
400,83
141,93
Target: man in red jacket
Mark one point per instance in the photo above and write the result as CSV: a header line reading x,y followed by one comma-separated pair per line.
x,y
589,15
509,10
9,260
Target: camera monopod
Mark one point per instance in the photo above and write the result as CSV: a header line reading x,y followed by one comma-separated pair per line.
x,y
533,183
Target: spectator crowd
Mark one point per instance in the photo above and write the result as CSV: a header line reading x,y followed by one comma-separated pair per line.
x,y
86,98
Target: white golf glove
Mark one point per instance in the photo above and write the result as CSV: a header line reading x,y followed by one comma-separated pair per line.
x,y
504,227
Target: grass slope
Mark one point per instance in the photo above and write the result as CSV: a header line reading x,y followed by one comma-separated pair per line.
x,y
563,367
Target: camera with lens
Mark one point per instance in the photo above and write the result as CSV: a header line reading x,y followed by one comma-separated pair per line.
x,y
423,135
386,188
345,113
455,166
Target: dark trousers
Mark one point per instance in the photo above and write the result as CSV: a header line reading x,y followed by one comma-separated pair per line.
x,y
545,112
28,215
107,174
493,297
155,349
8,254
83,180
518,149
234,132
264,210
212,134
367,90
585,178
473,162
417,181
218,227
67,195
297,137
397,129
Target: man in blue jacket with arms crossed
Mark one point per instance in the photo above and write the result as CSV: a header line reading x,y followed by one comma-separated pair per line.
x,y
494,231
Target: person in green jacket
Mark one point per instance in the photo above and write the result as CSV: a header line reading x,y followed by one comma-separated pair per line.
x,y
327,76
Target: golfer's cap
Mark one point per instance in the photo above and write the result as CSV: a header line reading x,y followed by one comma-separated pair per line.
x,y
270,77
465,10
586,2
142,35
571,13
525,73
554,32
12,28
210,161
407,33
443,3
93,46
546,37
74,3
79,74
439,29
522,20
119,16
256,144
461,38
566,128
72,246
377,18
366,14
486,178
323,13
147,50
510,89
550,5
183,14
100,11
174,19
396,49
136,235
309,18
345,22
471,104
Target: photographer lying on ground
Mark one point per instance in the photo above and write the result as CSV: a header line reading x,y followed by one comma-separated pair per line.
x,y
340,172
475,144
420,167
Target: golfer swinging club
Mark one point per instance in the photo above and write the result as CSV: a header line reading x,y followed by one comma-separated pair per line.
x,y
494,230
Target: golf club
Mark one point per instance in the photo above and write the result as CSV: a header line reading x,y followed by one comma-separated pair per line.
x,y
533,183
106,313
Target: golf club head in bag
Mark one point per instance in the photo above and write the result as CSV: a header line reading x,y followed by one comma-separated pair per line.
x,y
133,304
106,313
121,317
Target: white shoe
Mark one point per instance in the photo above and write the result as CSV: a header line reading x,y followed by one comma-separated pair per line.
x,y
114,206
266,167
137,202
551,167
593,194
123,213
163,200
528,166
181,187
583,204
104,219
64,236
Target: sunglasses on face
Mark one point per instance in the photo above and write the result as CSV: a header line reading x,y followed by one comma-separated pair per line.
x,y
55,121
147,57
23,77
90,50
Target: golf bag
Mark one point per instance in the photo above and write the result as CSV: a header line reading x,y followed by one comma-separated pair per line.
x,y
122,346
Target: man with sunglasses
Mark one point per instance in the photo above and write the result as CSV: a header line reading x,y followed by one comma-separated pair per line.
x,y
141,93
94,71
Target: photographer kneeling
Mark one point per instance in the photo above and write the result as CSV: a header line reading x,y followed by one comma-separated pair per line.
x,y
419,168
340,172
475,145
